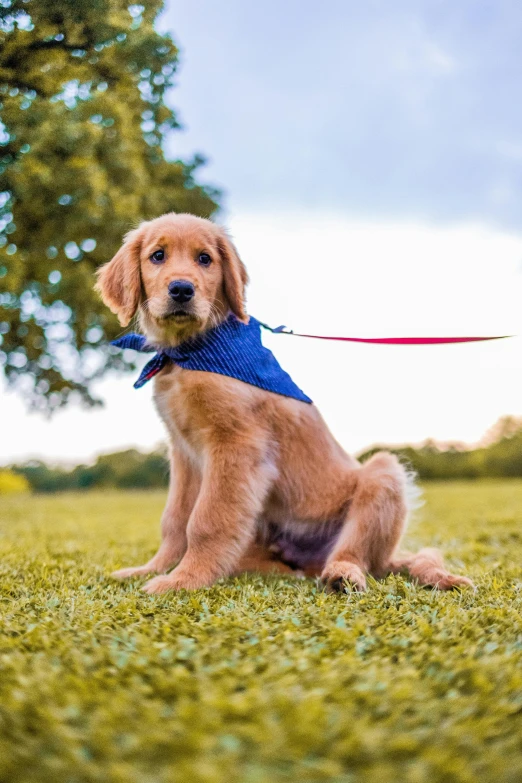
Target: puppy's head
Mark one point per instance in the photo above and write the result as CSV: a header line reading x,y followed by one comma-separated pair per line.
x,y
180,273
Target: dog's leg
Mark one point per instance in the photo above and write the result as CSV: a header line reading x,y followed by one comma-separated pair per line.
x,y
183,490
427,567
374,525
222,524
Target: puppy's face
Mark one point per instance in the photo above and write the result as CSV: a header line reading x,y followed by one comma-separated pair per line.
x,y
181,273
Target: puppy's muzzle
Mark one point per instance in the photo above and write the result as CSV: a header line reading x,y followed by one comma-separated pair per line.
x,y
181,291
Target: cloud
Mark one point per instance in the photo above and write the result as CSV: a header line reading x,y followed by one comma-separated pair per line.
x,y
395,111
441,61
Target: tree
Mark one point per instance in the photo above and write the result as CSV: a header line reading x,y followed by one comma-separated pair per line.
x,y
12,483
506,427
124,469
82,121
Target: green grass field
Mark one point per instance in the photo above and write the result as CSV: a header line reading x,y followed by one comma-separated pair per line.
x,y
256,680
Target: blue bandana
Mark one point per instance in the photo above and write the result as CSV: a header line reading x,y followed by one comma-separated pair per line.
x,y
232,348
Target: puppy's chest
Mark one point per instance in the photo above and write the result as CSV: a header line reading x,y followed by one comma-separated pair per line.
x,y
177,404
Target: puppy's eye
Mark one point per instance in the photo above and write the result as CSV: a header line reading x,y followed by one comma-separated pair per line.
x,y
204,259
158,257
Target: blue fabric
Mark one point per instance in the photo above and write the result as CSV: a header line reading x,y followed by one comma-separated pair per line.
x,y
232,348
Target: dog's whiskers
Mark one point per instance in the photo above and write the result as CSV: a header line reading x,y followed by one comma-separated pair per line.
x,y
215,316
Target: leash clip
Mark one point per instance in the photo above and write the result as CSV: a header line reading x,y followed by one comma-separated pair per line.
x,y
276,329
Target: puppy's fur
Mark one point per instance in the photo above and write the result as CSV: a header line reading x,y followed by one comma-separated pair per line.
x,y
252,472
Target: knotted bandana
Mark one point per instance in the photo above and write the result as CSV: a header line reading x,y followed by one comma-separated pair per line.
x,y
232,348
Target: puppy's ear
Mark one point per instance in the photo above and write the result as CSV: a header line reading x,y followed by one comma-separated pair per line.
x,y
119,281
235,277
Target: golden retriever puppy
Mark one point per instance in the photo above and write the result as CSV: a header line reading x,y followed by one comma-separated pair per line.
x,y
257,480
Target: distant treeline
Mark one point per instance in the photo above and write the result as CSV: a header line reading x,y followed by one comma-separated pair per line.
x,y
498,455
124,469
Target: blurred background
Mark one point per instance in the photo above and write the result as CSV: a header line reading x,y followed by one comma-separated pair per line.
x,y
367,159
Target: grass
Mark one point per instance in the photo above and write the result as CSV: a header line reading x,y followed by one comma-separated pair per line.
x,y
256,680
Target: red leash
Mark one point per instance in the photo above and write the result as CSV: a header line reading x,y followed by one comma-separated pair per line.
x,y
391,340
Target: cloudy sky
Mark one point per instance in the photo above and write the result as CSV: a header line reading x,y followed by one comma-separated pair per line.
x,y
371,158
373,109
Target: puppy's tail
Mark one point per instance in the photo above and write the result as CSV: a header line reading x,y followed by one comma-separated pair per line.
x,y
385,467
386,493
413,493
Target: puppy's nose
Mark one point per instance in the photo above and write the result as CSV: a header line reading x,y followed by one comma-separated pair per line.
x,y
181,291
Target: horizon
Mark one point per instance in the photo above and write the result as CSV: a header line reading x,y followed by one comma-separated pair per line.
x,y
442,445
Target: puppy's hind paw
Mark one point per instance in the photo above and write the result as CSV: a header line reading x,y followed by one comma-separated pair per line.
x,y
340,575
452,582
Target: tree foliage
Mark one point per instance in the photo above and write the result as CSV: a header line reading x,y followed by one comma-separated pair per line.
x,y
500,458
82,121
131,469
499,455
12,483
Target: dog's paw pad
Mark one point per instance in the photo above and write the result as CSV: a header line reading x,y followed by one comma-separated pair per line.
x,y
337,585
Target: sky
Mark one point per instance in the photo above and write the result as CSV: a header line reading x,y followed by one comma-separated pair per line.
x,y
370,156
374,109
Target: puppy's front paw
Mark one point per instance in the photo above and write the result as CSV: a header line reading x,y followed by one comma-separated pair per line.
x,y
129,573
179,579
341,573
160,584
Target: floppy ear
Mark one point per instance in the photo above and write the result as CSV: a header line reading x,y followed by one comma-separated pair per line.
x,y
119,281
235,277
